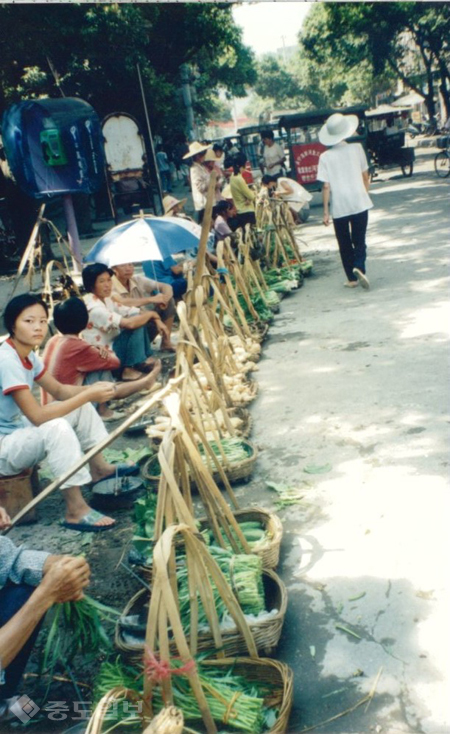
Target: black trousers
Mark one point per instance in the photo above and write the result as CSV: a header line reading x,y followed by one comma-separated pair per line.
x,y
351,236
246,218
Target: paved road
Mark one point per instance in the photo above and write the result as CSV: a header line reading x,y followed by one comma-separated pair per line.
x,y
358,381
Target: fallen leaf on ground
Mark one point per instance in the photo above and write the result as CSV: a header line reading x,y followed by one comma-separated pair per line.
x,y
317,468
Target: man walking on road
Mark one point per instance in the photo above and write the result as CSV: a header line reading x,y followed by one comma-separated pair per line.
x,y
343,169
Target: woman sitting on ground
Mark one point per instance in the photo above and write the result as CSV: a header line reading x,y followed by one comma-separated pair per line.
x,y
72,361
60,431
243,196
118,328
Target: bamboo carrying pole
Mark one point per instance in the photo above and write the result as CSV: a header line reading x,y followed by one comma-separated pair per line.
x,y
96,449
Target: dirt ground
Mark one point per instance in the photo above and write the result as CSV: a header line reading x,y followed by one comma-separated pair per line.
x,y
352,410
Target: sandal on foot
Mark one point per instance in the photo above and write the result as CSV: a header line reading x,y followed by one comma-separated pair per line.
x,y
362,278
88,523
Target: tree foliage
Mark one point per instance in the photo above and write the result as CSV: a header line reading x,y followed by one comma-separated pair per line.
x,y
91,51
406,40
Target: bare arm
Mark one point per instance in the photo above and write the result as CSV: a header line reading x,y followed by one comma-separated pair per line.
x,y
140,319
138,302
326,203
366,179
67,399
64,579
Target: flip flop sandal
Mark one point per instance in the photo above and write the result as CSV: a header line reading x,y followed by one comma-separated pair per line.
x,y
113,487
87,524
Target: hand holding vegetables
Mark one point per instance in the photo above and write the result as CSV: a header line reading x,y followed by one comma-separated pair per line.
x,y
64,578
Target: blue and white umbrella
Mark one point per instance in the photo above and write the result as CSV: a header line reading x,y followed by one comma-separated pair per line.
x,y
145,238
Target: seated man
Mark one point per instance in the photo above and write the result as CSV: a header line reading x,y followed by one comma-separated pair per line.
x,y
72,361
167,271
138,290
30,583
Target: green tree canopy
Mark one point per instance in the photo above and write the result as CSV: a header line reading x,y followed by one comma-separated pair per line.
x,y
406,40
91,51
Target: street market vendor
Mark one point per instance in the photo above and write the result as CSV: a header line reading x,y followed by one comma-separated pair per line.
x,y
117,327
60,431
31,582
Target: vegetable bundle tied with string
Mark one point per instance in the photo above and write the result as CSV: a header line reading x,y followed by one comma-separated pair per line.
x,y
234,702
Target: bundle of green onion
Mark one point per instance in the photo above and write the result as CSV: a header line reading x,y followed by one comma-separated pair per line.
x,y
244,575
234,449
77,627
235,703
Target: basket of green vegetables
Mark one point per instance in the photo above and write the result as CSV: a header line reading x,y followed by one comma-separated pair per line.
x,y
250,695
264,609
263,531
236,456
231,694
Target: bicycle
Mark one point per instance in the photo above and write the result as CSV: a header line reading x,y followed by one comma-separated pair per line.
x,y
442,163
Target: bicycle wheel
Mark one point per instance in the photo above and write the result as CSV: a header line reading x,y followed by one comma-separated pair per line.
x,y
442,164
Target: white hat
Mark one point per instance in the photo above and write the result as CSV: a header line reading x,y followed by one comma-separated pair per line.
x,y
210,156
195,148
170,201
337,128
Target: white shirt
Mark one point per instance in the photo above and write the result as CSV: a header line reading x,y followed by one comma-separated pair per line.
x,y
199,184
104,320
342,167
271,154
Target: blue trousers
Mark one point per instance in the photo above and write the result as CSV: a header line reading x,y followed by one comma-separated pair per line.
x,y
12,598
351,236
132,346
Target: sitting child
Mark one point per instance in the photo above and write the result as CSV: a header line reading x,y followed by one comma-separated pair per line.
x,y
72,361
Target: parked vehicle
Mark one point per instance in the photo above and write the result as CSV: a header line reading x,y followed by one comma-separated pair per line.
x,y
386,138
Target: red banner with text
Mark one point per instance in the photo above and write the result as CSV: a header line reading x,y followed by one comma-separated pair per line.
x,y
306,157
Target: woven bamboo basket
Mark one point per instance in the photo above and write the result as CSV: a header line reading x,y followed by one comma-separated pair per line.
x,y
270,552
266,632
240,471
276,675
168,721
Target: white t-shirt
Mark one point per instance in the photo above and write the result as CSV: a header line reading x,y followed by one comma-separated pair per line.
x,y
342,166
15,374
271,154
299,196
